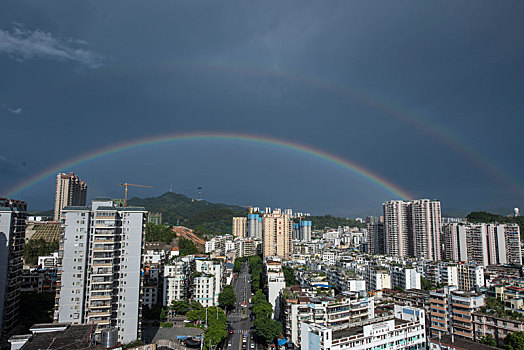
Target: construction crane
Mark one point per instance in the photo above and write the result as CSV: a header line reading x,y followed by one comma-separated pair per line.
x,y
125,196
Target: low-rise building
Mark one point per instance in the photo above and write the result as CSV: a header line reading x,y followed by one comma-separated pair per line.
x,y
497,326
178,281
449,342
451,312
404,330
377,278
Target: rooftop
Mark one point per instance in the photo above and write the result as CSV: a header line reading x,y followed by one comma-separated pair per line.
x,y
459,343
74,337
360,329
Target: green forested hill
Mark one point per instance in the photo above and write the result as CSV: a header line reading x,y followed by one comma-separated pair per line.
x,y
202,216
329,221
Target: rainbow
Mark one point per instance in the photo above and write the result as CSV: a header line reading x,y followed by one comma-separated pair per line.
x,y
178,137
420,123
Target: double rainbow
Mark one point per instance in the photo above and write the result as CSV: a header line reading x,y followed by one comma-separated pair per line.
x,y
177,137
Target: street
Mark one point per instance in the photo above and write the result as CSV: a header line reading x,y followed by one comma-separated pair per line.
x,y
239,317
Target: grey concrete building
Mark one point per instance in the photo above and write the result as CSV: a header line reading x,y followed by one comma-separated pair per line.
x,y
100,267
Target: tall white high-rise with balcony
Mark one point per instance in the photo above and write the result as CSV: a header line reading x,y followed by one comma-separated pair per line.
x,y
100,267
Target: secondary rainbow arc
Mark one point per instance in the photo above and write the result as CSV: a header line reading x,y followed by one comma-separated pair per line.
x,y
178,137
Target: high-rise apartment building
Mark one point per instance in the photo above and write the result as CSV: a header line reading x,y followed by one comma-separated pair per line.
x,y
100,267
254,226
13,215
484,244
277,231
426,222
376,238
70,191
413,228
396,227
240,226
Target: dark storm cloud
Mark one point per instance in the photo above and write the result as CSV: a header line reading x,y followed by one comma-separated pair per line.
x,y
277,69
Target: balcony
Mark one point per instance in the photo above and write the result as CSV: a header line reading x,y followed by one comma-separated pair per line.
x,y
101,288
98,305
102,265
464,334
460,319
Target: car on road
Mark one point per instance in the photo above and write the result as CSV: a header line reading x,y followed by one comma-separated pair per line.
x,y
252,345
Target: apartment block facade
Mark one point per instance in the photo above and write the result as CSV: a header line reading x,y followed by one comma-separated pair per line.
x,y
484,244
452,312
70,191
338,313
100,266
406,329
277,237
178,282
13,215
240,226
413,228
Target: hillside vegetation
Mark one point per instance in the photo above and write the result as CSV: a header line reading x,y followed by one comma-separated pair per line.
x,y
202,216
329,221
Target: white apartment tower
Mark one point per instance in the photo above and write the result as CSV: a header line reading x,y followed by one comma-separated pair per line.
x,y
100,267
70,191
413,228
13,215
208,281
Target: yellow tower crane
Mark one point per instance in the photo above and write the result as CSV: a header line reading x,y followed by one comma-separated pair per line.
x,y
125,196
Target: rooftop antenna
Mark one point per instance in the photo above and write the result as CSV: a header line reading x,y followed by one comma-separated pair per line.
x,y
199,193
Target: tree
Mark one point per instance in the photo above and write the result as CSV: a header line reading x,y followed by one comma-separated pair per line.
x,y
425,284
216,324
182,307
262,309
186,247
289,275
238,264
514,341
38,247
267,329
488,340
255,267
35,308
159,233
152,313
226,298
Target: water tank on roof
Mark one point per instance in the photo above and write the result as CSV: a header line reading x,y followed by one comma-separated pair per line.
x,y
109,337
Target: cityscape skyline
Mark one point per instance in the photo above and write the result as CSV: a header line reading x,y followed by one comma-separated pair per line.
x,y
317,175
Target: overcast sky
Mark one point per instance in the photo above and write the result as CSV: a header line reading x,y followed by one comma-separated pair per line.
x,y
427,95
